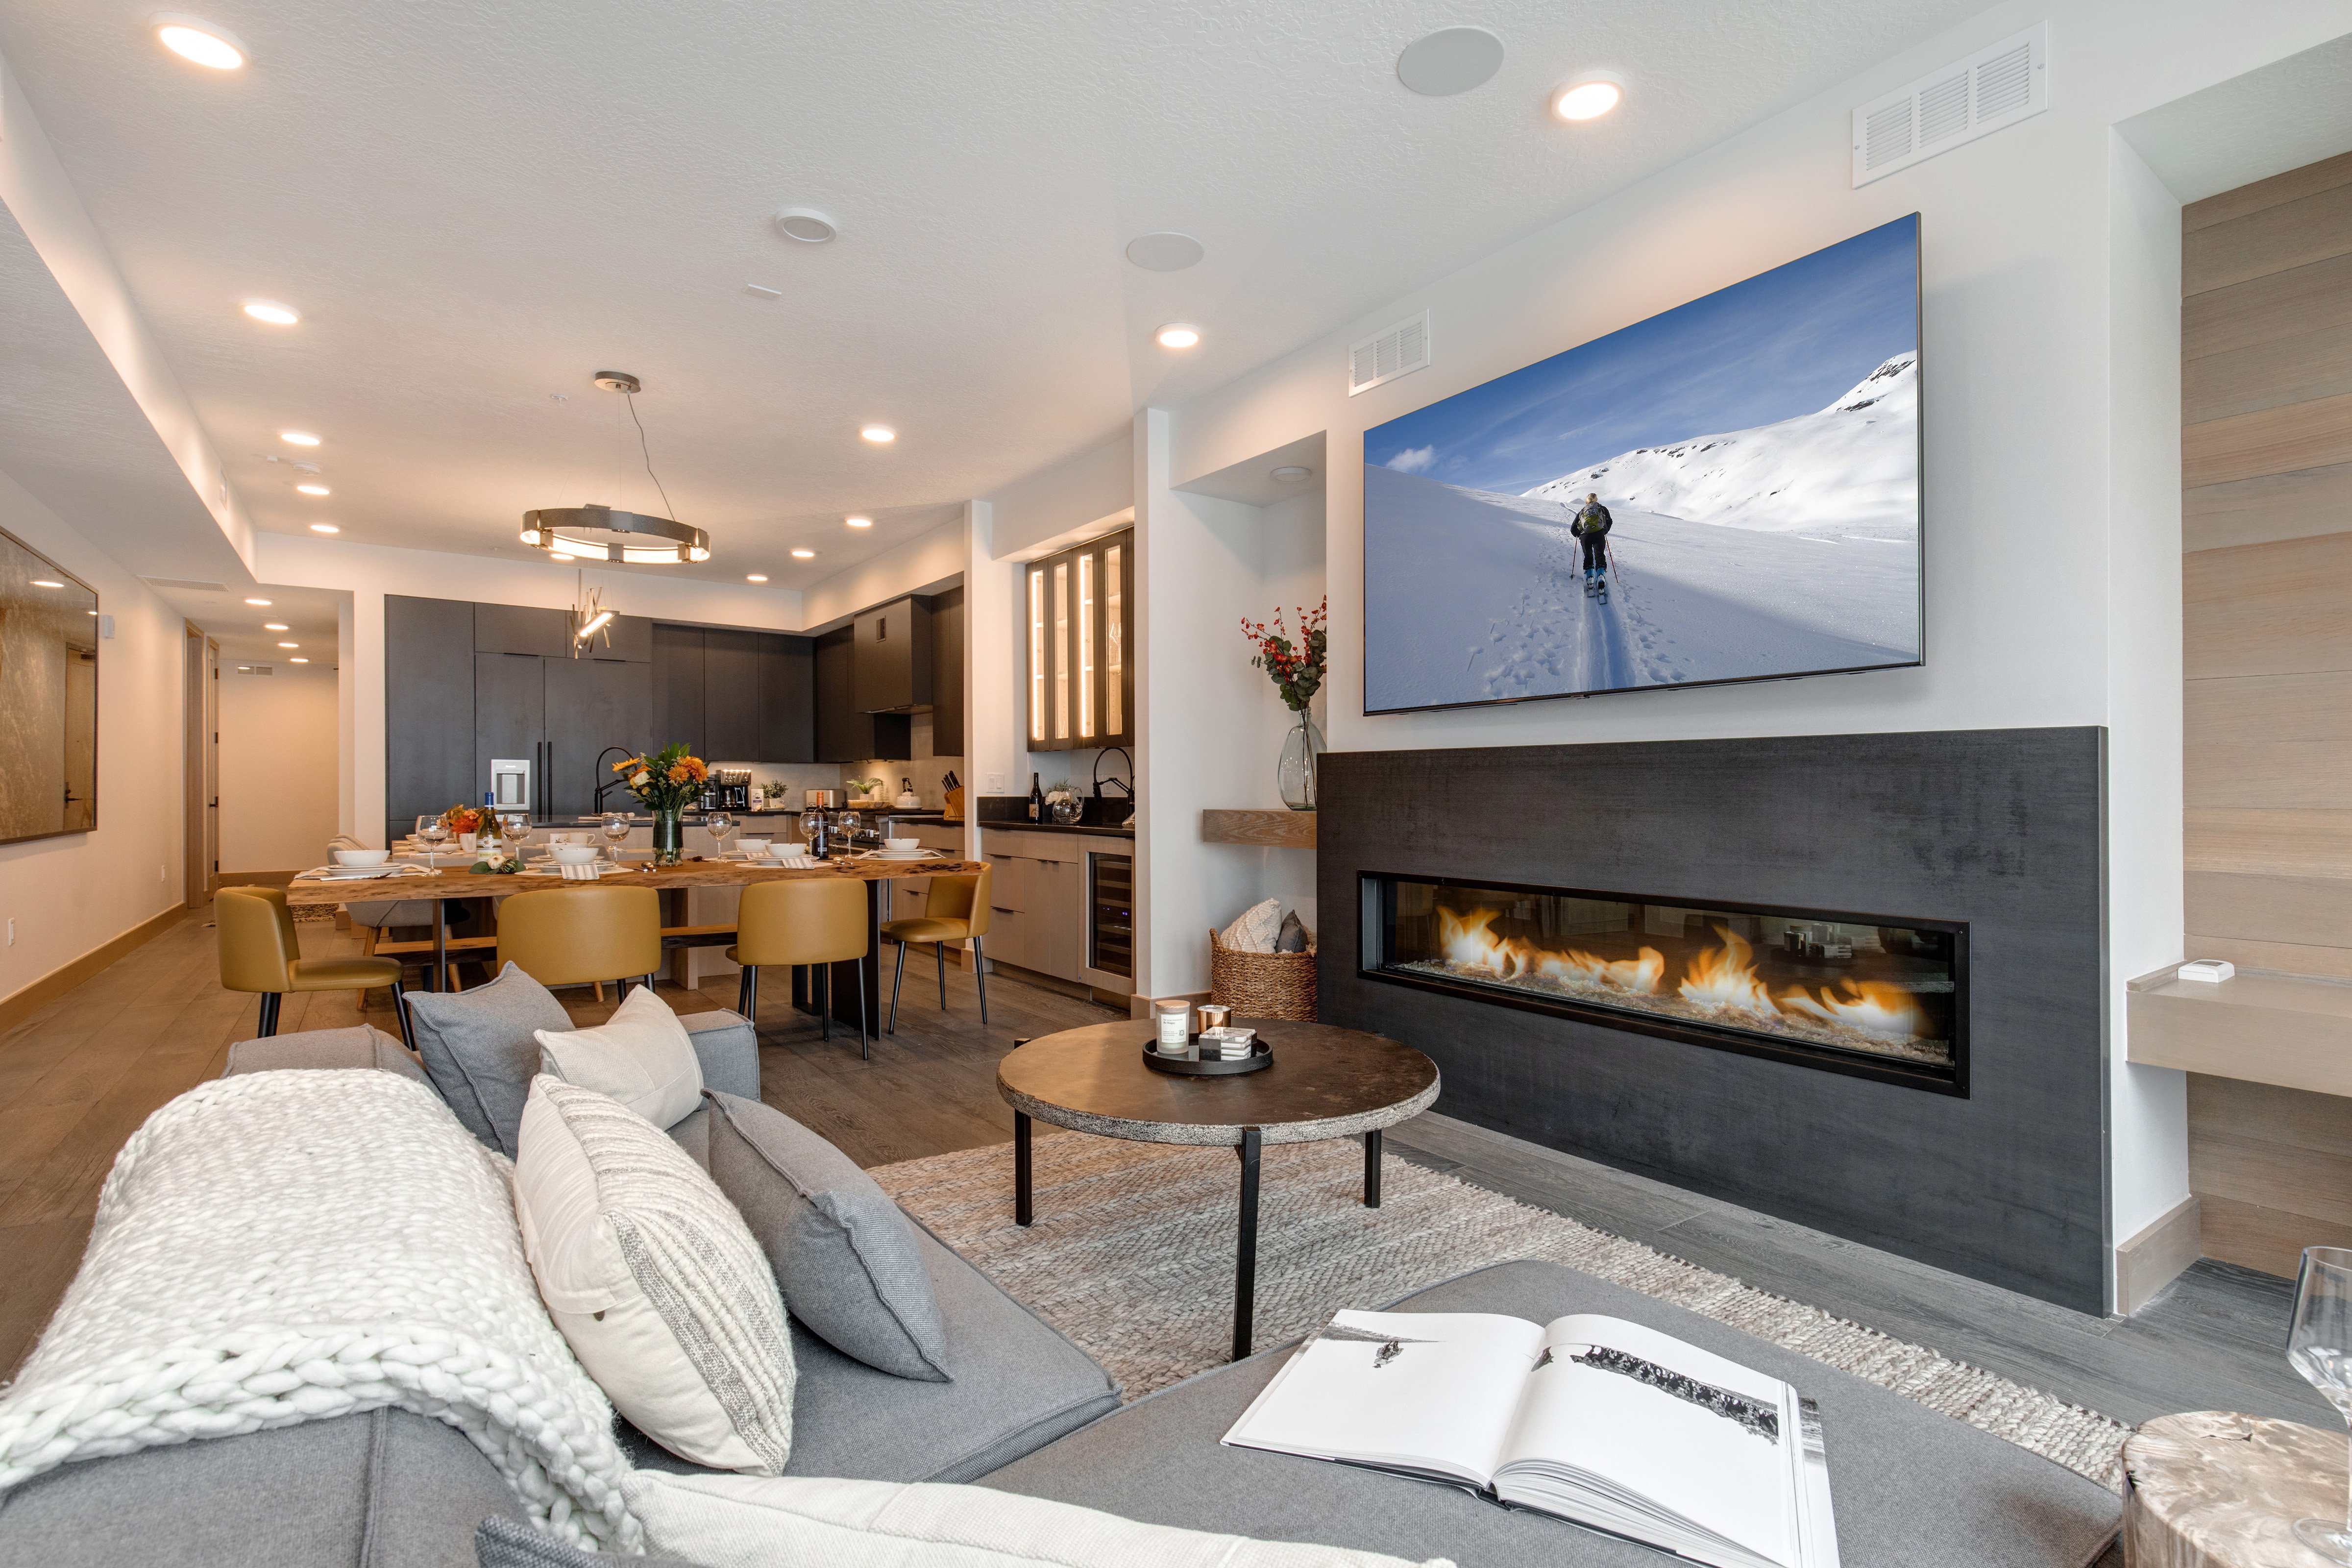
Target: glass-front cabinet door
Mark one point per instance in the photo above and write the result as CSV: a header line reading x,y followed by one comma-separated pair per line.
x,y
1080,604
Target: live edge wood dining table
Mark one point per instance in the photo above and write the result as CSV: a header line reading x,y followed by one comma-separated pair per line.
x,y
445,884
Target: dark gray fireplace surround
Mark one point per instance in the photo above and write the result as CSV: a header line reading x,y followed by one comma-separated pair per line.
x,y
1998,828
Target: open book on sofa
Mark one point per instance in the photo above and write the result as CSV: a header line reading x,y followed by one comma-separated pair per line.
x,y
1590,1418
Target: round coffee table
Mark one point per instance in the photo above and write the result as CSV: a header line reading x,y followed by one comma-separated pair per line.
x,y
2213,1489
1324,1082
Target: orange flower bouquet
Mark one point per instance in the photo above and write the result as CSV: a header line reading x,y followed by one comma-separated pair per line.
x,y
667,781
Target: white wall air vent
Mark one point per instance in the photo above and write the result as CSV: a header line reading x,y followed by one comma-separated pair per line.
x,y
256,669
1995,87
1388,354
187,582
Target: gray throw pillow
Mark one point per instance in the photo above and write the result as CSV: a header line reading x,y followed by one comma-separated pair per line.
x,y
479,1050
1293,936
845,1258
502,1542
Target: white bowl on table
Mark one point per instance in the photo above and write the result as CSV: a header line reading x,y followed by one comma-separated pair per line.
x,y
361,856
574,854
753,848
902,845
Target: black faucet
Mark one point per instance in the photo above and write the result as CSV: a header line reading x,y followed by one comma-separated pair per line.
x,y
607,780
1126,784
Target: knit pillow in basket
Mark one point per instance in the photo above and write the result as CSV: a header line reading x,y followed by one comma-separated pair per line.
x,y
1254,931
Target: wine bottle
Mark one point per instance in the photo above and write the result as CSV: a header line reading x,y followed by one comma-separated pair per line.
x,y
1037,800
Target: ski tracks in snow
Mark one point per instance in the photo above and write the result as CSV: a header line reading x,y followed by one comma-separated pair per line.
x,y
1556,638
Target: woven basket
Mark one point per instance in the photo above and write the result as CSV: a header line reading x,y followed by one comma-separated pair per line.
x,y
1262,984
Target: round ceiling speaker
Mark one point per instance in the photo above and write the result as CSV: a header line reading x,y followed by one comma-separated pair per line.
x,y
1450,61
1290,474
1164,252
806,224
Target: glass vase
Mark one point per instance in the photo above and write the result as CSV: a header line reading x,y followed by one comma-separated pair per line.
x,y
669,837
1296,772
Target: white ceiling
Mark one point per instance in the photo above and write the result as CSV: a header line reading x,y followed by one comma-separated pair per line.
x,y
477,206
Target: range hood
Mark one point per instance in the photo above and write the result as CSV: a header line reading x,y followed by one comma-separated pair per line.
x,y
891,671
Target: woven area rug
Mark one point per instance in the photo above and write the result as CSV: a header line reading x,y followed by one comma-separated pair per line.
x,y
1132,1257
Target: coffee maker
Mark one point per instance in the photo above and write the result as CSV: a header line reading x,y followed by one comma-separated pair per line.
x,y
733,787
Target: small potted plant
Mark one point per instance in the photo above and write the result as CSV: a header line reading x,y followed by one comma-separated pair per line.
x,y
1296,671
667,781
863,791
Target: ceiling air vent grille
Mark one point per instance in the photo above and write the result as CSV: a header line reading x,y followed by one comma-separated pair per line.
x,y
188,583
256,669
1995,87
1388,354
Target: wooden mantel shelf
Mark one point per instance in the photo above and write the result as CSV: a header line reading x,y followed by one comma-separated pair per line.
x,y
1265,830
2286,1029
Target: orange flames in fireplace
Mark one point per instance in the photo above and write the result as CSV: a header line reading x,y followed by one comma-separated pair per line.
x,y
1718,979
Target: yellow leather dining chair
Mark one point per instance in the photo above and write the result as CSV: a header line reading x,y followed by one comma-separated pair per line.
x,y
259,952
956,911
802,921
564,936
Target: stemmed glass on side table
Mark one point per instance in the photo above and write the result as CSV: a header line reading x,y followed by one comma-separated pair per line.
x,y
616,832
2319,1346
719,825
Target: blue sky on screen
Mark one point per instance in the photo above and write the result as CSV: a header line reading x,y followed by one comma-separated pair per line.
x,y
1786,343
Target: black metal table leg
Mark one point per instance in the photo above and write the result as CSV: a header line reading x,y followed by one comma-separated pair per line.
x,y
440,944
1372,1169
1246,1257
1022,1212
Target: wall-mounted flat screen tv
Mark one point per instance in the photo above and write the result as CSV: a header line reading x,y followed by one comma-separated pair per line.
x,y
1726,491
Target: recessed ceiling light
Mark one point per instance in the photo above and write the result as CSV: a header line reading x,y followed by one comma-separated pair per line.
x,y
858,522
298,437
192,38
314,489
1178,335
289,644
275,627
880,435
806,224
756,577
1588,97
1165,252
1450,61
270,310
44,583
559,556
324,527
263,603
298,658
1291,473
804,554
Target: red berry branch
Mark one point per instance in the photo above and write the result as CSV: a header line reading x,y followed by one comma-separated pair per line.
x,y
1298,670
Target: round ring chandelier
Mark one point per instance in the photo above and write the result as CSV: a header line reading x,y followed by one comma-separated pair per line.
x,y
563,530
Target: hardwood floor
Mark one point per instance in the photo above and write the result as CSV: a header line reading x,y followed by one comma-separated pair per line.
x,y
78,1077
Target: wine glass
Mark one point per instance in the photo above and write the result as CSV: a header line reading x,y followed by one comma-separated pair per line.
x,y
517,826
719,825
2319,1346
811,830
429,829
617,831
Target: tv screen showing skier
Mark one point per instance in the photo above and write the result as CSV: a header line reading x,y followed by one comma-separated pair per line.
x,y
1726,491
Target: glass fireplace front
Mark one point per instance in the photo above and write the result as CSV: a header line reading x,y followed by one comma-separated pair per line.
x,y
1867,994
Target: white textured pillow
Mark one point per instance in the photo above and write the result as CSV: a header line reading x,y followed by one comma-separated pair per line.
x,y
641,1056
736,1521
1256,929
655,1279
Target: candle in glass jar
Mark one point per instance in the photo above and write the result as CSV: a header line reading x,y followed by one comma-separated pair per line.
x,y
1175,1027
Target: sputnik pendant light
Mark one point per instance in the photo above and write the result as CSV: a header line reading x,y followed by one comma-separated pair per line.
x,y
633,538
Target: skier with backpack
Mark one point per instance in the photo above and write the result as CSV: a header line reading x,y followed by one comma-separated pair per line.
x,y
1591,528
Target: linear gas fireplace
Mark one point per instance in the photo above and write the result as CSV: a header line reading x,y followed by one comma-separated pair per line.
x,y
1868,995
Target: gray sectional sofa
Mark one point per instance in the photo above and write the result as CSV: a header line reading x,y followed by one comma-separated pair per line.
x,y
1029,1412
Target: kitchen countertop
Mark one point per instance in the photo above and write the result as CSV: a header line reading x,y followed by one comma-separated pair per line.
x,y
1025,826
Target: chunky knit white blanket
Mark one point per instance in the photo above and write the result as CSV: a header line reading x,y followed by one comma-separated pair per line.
x,y
284,1246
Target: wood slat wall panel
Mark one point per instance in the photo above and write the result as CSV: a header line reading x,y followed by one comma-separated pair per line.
x,y
2267,509
2276,190
2307,844
2279,440
2270,742
2267,609
2264,1112
2285,957
2255,1235
2262,310
2304,911
2239,1163
2294,234
2313,363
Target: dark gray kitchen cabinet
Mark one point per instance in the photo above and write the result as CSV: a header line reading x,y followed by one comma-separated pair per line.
x,y
947,673
891,667
629,637
428,709
509,718
521,628
731,695
845,732
593,704
677,687
787,700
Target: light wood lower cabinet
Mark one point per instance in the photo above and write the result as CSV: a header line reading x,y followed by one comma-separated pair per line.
x,y
1037,919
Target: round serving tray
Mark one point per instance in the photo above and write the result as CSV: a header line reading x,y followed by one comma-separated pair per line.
x,y
1261,1056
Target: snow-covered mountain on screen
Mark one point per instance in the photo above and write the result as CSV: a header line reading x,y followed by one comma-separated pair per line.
x,y
1852,470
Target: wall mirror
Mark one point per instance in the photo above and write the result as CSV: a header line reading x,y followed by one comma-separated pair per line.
x,y
48,696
